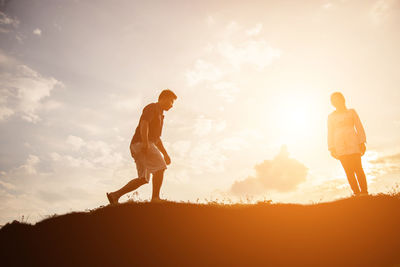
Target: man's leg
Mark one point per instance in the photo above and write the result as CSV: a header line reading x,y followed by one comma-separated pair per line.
x,y
349,170
362,180
132,185
157,182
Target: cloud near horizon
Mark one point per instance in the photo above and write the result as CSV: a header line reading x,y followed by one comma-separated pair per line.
x,y
389,164
282,174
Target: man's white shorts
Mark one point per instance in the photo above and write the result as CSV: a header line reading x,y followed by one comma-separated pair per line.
x,y
149,162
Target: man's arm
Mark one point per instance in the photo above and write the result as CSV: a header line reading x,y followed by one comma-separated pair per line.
x,y
161,147
144,133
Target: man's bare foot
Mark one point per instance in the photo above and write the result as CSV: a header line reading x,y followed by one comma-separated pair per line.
x,y
158,200
112,199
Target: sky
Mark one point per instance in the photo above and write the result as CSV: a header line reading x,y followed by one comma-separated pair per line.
x,y
253,80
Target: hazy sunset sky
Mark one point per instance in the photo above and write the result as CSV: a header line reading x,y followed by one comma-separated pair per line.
x,y
250,77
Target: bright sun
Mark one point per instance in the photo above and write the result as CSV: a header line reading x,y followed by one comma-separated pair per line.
x,y
295,120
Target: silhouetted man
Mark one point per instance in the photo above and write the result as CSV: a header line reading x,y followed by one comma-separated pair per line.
x,y
146,148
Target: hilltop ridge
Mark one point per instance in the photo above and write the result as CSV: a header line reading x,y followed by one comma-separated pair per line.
x,y
349,232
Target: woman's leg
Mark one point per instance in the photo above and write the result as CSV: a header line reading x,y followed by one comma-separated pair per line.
x,y
349,170
362,180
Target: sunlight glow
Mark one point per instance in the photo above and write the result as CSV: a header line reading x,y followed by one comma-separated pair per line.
x,y
294,119
370,168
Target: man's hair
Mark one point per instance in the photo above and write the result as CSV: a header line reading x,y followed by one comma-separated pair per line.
x,y
167,94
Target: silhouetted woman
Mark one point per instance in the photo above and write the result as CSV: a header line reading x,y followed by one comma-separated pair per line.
x,y
346,142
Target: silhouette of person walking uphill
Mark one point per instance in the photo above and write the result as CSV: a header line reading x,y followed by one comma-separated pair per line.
x,y
146,148
346,142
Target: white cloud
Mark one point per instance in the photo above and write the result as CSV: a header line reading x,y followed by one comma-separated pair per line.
x,y
209,151
126,103
76,162
282,174
226,90
255,30
75,141
5,112
181,176
203,71
92,154
7,20
20,37
30,165
238,140
203,154
381,10
232,28
37,31
210,20
51,105
235,143
2,30
6,60
234,49
243,49
202,126
327,5
206,157
57,26
382,165
257,53
181,148
55,156
7,23
219,126
73,183
23,90
28,169
7,186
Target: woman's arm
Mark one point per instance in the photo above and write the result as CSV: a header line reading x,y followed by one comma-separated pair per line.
x,y
362,139
359,128
331,143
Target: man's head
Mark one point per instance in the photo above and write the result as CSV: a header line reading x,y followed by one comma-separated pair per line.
x,y
337,100
166,99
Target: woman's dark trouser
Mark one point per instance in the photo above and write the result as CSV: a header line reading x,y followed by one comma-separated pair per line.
x,y
352,166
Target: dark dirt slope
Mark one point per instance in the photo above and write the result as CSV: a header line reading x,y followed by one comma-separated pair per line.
x,y
350,232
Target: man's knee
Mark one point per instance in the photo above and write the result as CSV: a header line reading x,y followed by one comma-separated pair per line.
x,y
143,180
159,173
